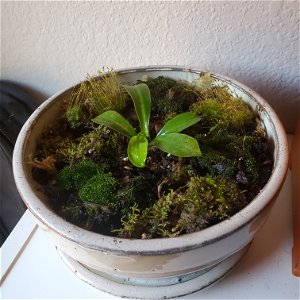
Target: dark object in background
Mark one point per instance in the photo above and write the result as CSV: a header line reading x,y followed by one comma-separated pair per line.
x,y
16,105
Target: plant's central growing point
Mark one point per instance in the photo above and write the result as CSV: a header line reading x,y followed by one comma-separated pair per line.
x,y
169,139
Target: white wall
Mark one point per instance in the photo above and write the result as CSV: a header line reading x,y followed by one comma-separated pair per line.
x,y
50,45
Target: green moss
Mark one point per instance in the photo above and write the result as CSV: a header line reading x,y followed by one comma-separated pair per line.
x,y
71,151
85,214
171,196
204,201
129,227
148,223
53,145
232,155
160,86
169,97
99,189
114,143
99,142
97,95
75,176
74,115
203,83
208,200
183,173
91,182
168,107
221,109
87,146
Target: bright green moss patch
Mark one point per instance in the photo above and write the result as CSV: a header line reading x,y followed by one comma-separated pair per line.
x,y
99,189
220,109
92,183
75,116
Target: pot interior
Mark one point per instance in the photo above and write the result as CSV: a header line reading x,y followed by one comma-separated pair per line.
x,y
50,109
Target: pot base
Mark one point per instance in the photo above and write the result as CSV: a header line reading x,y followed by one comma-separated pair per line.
x,y
155,288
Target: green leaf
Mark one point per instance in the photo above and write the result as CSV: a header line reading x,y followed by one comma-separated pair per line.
x,y
137,150
115,121
177,144
140,95
179,123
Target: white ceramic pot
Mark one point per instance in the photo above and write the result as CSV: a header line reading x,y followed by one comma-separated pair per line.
x,y
145,268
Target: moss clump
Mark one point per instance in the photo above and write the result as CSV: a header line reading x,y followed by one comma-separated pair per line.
x,y
203,83
95,144
75,116
204,201
99,189
183,173
97,95
129,227
207,201
221,109
87,146
235,156
76,176
91,182
169,97
151,222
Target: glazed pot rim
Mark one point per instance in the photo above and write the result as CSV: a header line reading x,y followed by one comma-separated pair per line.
x,y
158,246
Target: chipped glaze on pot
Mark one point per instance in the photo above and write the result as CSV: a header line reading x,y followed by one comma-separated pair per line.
x,y
188,262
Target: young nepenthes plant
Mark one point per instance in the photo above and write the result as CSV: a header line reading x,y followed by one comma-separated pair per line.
x,y
169,139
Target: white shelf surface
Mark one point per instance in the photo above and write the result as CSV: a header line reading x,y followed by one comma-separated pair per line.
x,y
32,269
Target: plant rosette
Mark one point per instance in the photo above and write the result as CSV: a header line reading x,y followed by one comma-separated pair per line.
x,y
139,263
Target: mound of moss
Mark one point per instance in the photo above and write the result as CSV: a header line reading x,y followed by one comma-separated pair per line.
x,y
91,181
220,109
204,201
75,176
99,189
169,97
75,116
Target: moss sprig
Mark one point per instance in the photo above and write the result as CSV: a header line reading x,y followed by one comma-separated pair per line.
x,y
220,108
